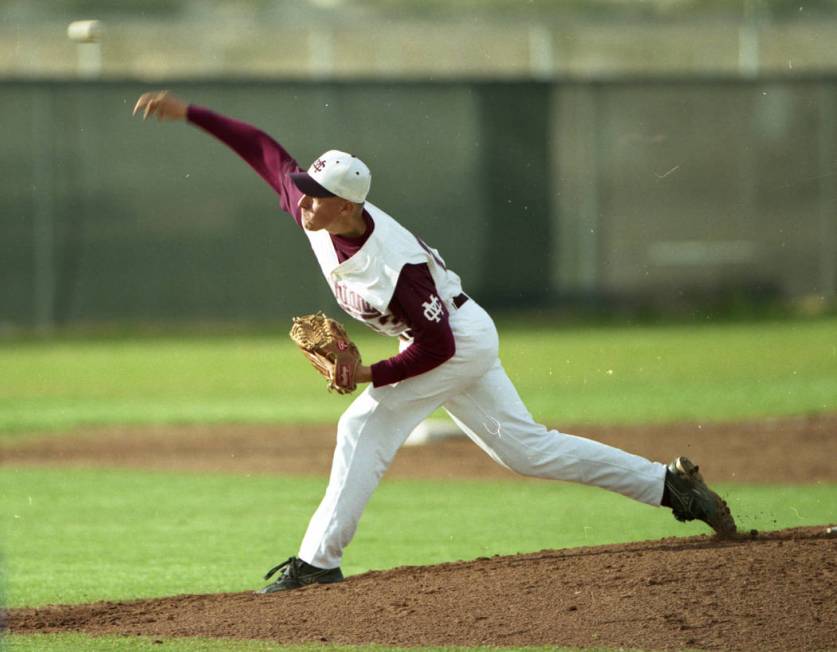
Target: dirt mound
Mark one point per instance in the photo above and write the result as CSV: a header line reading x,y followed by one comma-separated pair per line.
x,y
752,451
773,591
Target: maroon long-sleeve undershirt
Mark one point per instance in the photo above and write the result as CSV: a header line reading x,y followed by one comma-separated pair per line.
x,y
267,157
433,341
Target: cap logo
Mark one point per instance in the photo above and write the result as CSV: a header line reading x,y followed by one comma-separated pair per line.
x,y
319,165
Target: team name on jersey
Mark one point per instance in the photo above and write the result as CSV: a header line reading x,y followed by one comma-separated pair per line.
x,y
358,308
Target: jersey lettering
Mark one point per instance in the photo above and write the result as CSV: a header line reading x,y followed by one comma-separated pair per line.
x,y
433,309
353,303
357,307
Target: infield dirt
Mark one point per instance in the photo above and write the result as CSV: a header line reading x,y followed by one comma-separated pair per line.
x,y
792,450
768,591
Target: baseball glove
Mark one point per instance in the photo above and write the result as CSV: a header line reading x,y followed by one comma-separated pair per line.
x,y
327,346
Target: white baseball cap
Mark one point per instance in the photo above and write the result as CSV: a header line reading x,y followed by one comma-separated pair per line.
x,y
335,174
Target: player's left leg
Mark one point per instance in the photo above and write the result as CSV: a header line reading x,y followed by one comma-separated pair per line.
x,y
492,414
368,435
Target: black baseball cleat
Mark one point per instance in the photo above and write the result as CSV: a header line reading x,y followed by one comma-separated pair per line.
x,y
297,574
689,498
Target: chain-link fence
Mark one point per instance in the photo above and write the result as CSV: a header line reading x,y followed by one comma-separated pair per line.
x,y
537,193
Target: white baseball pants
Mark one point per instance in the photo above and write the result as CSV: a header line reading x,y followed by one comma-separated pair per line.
x,y
474,389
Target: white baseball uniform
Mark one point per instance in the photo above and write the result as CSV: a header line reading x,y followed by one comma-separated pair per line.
x,y
470,384
472,387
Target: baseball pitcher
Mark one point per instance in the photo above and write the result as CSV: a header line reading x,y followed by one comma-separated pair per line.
x,y
384,276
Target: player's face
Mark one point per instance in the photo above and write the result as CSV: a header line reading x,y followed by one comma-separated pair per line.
x,y
320,212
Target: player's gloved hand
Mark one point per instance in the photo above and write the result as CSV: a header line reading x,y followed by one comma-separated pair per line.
x,y
327,346
162,104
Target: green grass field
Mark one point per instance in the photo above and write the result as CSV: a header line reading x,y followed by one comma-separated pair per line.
x,y
78,536
75,642
614,375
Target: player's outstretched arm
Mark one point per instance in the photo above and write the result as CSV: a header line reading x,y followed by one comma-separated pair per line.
x,y
260,151
161,104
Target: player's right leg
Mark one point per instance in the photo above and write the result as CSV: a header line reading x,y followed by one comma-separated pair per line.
x,y
492,414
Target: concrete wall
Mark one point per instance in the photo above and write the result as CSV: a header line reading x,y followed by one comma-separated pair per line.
x,y
245,47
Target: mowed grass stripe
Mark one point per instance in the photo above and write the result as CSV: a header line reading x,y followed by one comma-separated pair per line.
x,y
75,642
568,375
81,536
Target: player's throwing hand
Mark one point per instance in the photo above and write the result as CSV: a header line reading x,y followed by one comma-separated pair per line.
x,y
162,104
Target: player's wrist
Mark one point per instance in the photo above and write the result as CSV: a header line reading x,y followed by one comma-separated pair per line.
x,y
363,374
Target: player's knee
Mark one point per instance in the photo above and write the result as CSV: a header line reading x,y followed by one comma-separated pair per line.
x,y
354,424
521,464
347,423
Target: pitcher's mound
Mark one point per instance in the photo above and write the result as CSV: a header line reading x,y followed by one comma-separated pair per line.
x,y
770,591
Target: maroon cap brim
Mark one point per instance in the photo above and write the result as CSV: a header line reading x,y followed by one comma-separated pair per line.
x,y
306,184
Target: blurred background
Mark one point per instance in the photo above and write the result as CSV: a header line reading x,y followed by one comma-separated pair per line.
x,y
621,157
